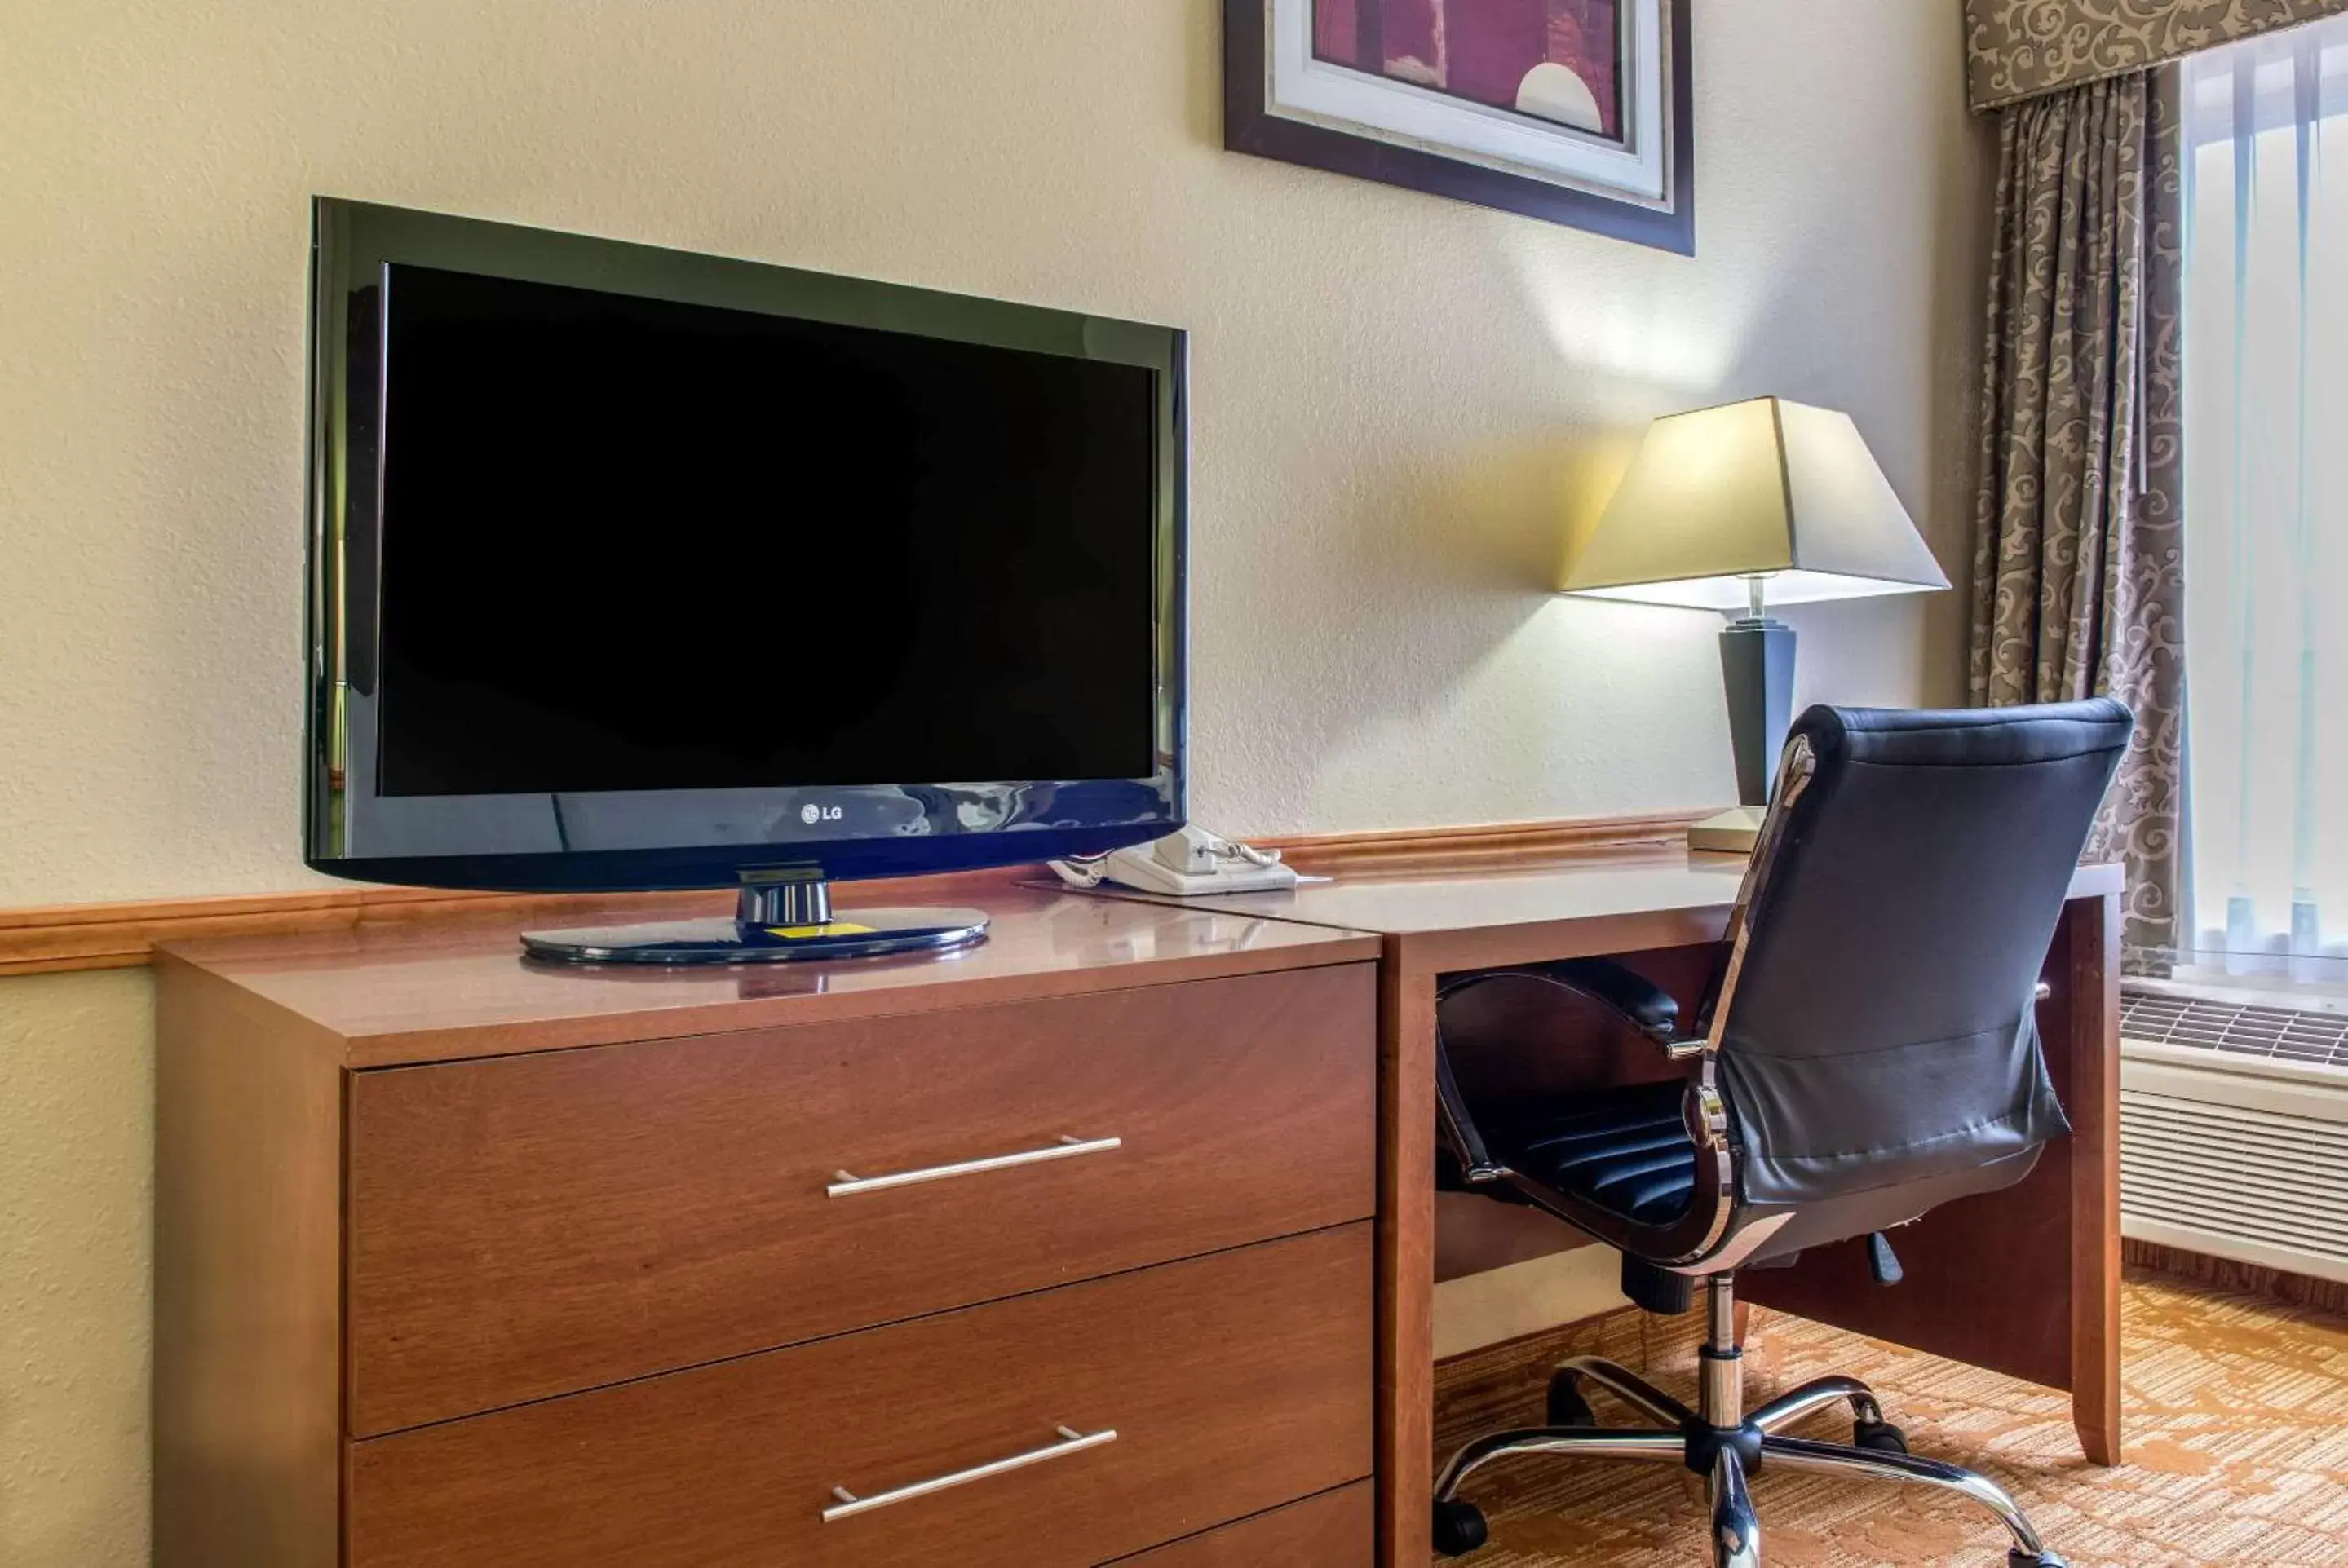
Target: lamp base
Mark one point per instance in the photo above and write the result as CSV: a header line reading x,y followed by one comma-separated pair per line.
x,y
1757,662
1735,831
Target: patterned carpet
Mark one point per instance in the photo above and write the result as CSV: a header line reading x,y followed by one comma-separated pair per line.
x,y
2237,1434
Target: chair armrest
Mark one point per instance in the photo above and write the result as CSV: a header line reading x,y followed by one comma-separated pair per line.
x,y
1649,1008
1639,1001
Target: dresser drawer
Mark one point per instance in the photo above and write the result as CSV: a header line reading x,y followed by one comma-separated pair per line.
x,y
531,1225
1335,1530
1232,1384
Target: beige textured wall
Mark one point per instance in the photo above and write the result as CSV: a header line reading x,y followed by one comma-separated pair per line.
x,y
1397,399
77,1077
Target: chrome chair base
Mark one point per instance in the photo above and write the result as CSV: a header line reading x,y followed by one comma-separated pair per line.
x,y
1724,1446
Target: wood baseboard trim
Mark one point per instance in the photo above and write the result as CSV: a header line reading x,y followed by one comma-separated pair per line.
x,y
2247,1278
67,937
58,938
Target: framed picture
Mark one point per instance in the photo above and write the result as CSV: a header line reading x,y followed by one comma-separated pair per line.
x,y
1576,111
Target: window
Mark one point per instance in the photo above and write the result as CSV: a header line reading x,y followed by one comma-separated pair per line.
x,y
2266,456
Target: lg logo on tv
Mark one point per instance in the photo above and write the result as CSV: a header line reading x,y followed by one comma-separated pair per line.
x,y
812,813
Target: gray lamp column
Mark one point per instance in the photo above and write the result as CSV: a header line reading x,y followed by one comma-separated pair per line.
x,y
1756,666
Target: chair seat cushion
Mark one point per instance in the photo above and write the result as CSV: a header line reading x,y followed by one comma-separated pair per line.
x,y
1625,1151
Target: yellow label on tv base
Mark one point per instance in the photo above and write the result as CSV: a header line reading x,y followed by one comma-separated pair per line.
x,y
804,933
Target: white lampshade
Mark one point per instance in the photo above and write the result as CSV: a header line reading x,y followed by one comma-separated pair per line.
x,y
1763,489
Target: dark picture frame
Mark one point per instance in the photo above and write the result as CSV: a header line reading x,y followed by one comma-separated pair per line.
x,y
1253,123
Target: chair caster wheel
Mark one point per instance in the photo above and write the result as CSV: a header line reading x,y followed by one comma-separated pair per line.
x,y
2045,1560
1879,1437
1459,1528
1566,1407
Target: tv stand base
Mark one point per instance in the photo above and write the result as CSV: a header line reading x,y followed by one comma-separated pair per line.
x,y
781,916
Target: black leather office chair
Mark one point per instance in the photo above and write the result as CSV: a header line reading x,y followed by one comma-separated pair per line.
x,y
1868,1050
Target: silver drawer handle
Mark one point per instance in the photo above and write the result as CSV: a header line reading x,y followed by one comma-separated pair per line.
x,y
846,1184
1071,1441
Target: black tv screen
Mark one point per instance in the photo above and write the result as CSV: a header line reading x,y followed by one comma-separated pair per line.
x,y
632,567
632,544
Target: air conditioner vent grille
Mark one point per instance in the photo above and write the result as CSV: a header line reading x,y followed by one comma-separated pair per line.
x,y
2221,1178
2282,1034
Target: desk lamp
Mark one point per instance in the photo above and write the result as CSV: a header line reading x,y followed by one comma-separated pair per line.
x,y
1734,508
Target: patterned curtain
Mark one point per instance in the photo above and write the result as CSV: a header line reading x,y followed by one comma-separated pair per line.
x,y
2078,564
2016,49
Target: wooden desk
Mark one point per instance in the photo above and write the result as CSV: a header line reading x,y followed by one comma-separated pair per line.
x,y
2025,1281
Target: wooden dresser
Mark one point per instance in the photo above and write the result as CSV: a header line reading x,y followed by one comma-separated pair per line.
x,y
462,1261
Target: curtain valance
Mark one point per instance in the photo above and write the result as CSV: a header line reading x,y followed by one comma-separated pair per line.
x,y
2017,49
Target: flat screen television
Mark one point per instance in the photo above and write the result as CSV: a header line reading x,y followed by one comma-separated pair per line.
x,y
631,569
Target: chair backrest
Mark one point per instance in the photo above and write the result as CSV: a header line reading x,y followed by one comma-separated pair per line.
x,y
1881,1025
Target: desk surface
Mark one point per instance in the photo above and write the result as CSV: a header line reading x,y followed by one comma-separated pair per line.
x,y
1658,883
1412,904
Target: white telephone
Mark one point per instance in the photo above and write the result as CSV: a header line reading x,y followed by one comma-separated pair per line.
x,y
1189,862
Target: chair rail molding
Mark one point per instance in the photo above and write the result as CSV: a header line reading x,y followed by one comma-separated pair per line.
x,y
49,939
2017,49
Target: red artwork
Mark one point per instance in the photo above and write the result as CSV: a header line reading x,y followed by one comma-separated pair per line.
x,y
1558,60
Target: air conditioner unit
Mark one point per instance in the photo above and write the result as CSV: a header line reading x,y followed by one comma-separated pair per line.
x,y
2234,1130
